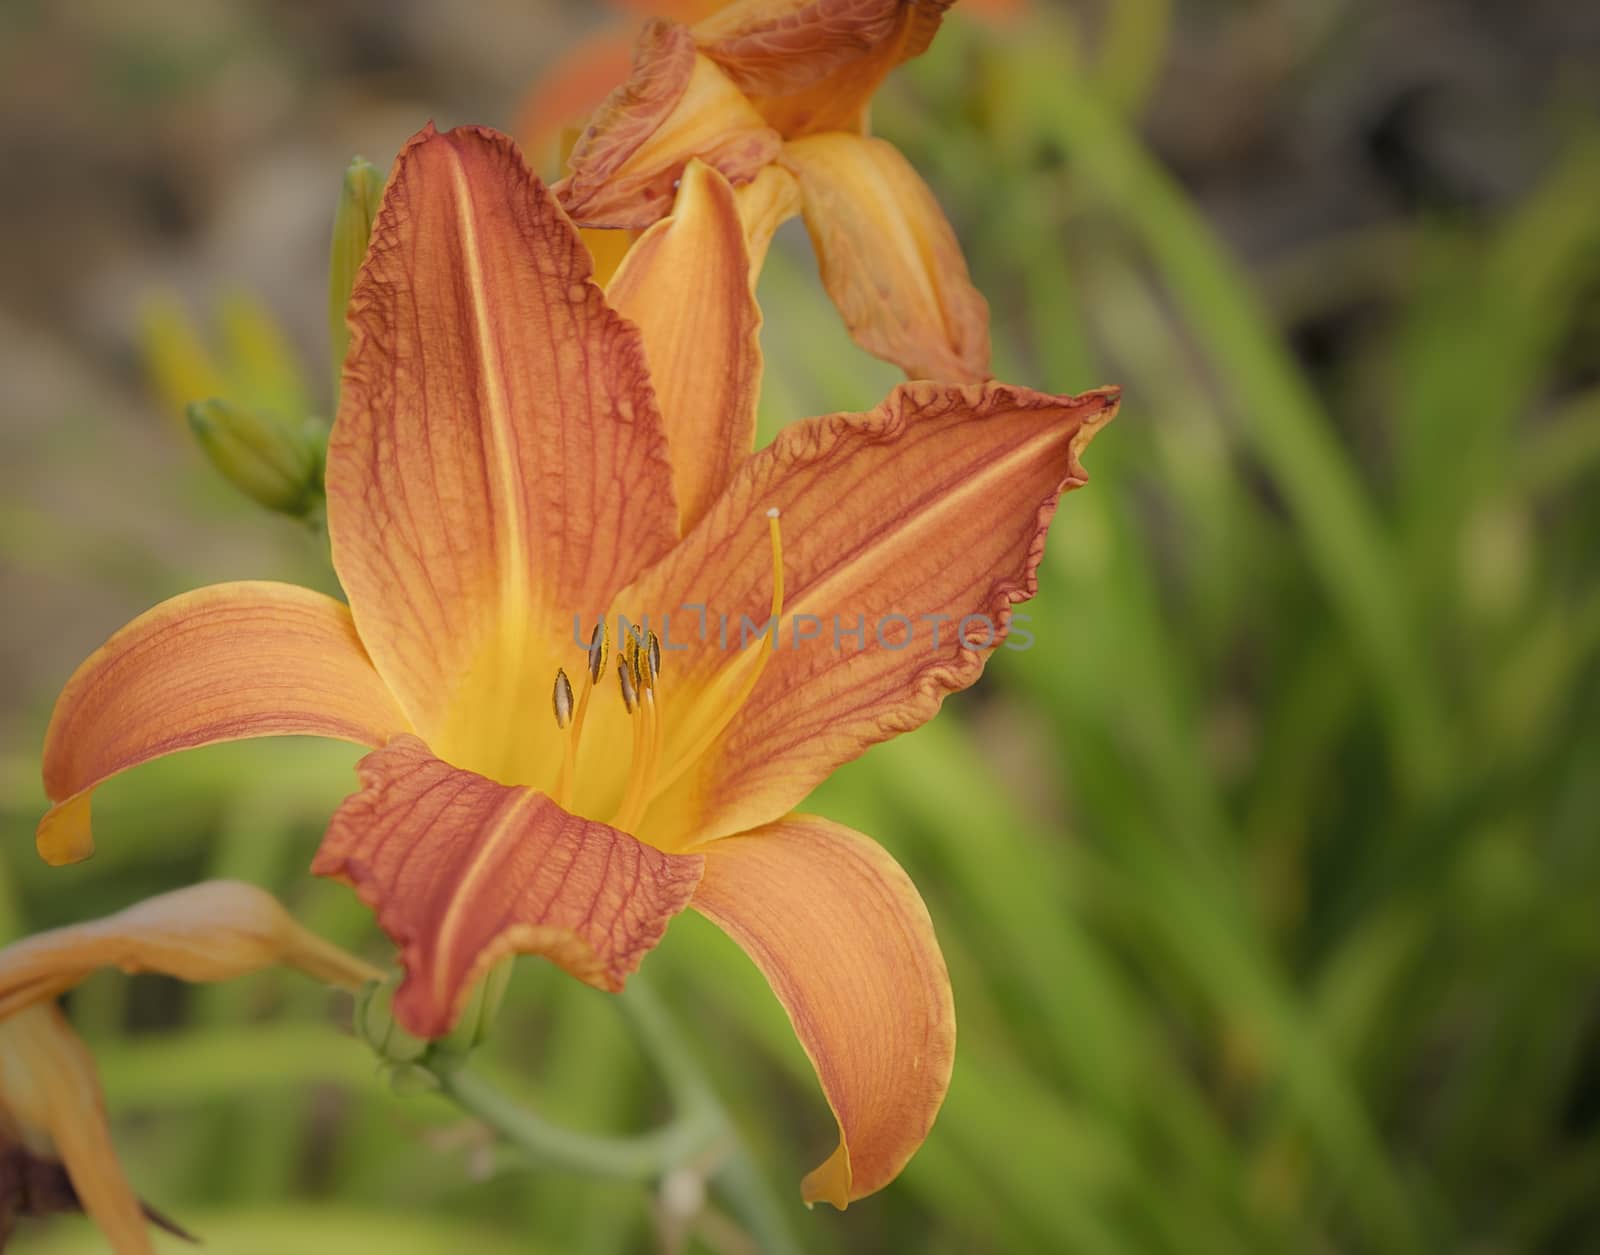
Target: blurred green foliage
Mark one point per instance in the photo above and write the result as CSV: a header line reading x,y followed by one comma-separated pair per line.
x,y
1267,878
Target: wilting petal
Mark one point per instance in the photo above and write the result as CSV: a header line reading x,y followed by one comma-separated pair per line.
x,y
926,515
499,460
463,871
218,664
839,931
686,283
676,105
211,931
812,65
889,259
765,203
48,1083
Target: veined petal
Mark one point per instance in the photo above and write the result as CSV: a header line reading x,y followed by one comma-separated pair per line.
x,y
810,66
499,460
676,105
686,282
840,933
215,930
218,664
48,1083
908,534
889,258
462,872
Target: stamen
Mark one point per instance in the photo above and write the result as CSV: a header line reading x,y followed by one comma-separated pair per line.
x,y
562,698
734,678
599,647
647,738
636,651
630,690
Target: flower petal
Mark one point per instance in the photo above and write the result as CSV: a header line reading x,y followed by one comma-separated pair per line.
x,y
498,459
813,65
765,203
686,282
935,504
463,871
676,105
215,930
839,931
48,1083
218,664
889,258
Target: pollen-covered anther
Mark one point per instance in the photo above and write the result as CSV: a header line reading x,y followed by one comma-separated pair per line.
x,y
636,657
653,659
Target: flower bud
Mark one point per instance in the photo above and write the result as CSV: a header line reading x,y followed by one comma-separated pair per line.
x,y
375,1022
179,365
477,1018
273,461
352,226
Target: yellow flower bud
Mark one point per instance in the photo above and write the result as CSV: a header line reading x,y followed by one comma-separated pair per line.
x,y
352,226
274,461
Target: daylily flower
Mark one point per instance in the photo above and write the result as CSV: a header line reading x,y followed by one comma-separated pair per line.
x,y
586,74
501,470
53,1129
777,91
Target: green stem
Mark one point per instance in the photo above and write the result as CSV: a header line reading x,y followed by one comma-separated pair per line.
x,y
700,1135
634,1157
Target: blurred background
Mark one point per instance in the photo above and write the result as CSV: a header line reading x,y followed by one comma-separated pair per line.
x,y
1268,878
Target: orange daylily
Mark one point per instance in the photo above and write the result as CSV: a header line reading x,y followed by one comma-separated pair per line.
x,y
504,472
784,86
586,74
52,1111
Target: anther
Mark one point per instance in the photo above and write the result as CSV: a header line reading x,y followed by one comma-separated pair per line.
x,y
653,656
630,690
636,660
561,699
599,647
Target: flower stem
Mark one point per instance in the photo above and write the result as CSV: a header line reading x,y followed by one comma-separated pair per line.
x,y
637,1157
699,1138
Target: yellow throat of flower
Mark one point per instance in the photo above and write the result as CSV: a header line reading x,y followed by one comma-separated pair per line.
x,y
623,742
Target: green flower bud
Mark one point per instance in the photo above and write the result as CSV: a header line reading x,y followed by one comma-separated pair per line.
x,y
352,226
374,1021
477,1018
275,462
